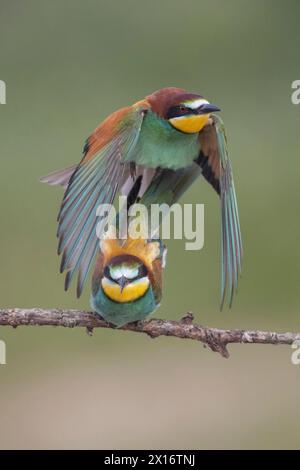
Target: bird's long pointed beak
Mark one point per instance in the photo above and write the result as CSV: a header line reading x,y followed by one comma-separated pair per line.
x,y
122,283
208,108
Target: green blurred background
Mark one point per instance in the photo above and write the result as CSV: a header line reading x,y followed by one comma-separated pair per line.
x,y
68,64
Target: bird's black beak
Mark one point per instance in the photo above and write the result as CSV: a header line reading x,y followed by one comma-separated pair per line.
x,y
123,281
208,108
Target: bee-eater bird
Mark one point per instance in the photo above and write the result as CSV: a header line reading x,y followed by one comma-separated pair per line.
x,y
152,152
127,280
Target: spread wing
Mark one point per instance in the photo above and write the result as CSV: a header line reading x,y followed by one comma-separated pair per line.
x,y
95,181
216,169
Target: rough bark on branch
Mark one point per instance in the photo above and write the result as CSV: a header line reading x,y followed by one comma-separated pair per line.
x,y
217,339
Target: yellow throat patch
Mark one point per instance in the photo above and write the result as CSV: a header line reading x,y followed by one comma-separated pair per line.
x,y
191,123
131,292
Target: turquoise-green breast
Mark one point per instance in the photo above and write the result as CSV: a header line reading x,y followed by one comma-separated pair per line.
x,y
160,145
121,313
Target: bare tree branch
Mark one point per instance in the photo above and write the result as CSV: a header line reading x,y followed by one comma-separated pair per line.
x,y
217,339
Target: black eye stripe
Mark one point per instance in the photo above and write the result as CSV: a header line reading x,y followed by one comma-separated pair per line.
x,y
180,110
142,271
107,273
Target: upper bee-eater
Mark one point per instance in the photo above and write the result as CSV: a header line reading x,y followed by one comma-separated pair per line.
x,y
151,151
127,280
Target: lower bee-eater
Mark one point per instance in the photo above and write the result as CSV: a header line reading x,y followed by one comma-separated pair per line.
x,y
127,280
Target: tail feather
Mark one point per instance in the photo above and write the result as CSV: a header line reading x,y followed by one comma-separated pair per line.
x,y
60,177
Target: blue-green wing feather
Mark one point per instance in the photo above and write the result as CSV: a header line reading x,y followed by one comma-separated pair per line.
x,y
231,240
94,182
